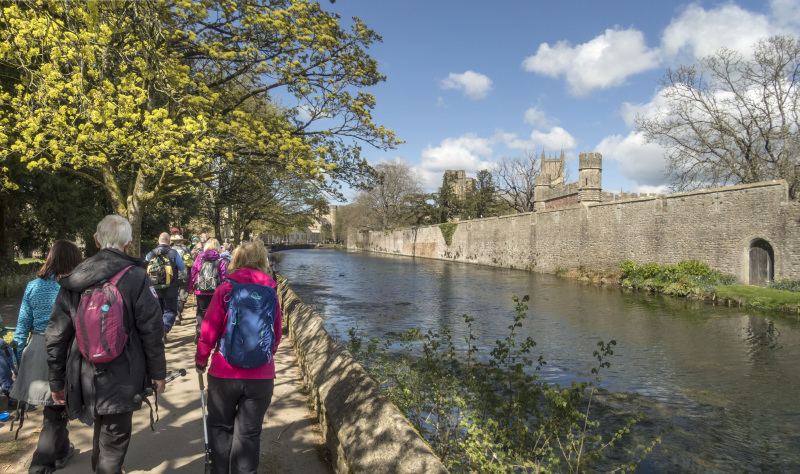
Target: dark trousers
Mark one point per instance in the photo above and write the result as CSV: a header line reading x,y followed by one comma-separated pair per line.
x,y
169,306
112,434
203,302
236,409
53,440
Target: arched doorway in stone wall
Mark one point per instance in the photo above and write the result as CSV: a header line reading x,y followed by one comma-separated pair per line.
x,y
762,262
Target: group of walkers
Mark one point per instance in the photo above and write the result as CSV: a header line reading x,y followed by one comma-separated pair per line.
x,y
91,339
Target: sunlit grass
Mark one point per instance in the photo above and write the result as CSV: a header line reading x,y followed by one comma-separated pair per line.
x,y
760,297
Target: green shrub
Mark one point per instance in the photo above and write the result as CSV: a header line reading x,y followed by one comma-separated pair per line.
x,y
685,278
787,285
495,416
694,267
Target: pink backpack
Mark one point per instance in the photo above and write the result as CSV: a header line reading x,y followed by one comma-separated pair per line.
x,y
99,323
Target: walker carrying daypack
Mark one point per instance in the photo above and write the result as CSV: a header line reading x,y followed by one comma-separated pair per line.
x,y
249,337
99,321
208,276
159,269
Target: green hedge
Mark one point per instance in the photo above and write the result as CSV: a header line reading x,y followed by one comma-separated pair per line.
x,y
686,278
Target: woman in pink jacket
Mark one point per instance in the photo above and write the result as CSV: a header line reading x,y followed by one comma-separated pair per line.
x,y
205,282
238,398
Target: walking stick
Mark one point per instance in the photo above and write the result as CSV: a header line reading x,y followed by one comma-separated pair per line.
x,y
142,397
205,427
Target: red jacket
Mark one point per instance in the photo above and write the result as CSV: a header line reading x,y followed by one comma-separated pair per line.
x,y
214,325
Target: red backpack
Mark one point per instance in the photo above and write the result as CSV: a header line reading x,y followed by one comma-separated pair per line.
x,y
99,322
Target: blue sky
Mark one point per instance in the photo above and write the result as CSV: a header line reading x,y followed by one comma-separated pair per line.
x,y
470,82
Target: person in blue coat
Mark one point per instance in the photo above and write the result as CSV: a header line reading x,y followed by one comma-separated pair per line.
x,y
168,297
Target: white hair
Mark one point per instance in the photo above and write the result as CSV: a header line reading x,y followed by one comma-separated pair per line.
x,y
114,232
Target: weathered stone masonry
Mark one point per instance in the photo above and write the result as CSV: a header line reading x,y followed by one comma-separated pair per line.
x,y
717,226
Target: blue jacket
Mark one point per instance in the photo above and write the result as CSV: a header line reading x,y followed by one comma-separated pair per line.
x,y
177,266
35,310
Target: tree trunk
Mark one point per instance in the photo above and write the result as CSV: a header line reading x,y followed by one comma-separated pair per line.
x,y
6,240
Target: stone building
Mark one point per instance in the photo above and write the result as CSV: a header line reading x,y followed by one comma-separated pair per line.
x,y
459,183
550,191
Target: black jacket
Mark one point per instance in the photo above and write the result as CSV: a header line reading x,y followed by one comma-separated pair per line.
x,y
106,388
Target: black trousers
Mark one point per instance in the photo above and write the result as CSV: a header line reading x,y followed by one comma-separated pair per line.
x,y
112,435
53,440
236,409
203,302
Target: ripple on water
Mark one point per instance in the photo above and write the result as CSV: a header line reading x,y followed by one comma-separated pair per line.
x,y
726,381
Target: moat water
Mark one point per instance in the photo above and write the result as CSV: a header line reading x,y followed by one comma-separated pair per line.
x,y
726,380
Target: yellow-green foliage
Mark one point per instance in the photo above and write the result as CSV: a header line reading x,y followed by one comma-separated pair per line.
x,y
146,98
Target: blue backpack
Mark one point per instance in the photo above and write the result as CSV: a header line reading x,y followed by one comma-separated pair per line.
x,y
249,336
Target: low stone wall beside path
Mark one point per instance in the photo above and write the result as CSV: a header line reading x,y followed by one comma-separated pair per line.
x,y
364,431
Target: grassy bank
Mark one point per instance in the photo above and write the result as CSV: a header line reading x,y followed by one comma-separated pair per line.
x,y
693,279
759,297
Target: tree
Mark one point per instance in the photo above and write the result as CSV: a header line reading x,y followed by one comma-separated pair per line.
x,y
516,177
730,119
447,203
349,217
388,202
138,98
483,200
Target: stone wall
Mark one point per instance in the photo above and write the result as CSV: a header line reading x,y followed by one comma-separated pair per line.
x,y
716,226
364,431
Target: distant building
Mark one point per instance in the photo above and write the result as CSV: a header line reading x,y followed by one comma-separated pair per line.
x,y
459,183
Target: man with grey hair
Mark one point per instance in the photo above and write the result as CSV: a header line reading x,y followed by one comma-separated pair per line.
x,y
103,393
167,296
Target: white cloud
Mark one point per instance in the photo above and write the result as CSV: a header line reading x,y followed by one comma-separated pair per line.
x,y
629,111
701,32
537,118
440,102
663,189
786,13
554,139
474,85
639,161
605,61
468,152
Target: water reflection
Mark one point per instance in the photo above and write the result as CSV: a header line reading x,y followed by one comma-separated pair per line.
x,y
725,379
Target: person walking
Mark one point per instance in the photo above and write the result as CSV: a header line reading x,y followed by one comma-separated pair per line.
x,y
31,387
167,291
209,270
103,393
238,397
177,242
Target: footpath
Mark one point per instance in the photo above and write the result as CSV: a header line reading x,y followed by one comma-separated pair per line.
x,y
290,442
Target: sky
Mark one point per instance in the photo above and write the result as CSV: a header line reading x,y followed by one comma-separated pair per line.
x,y
471,82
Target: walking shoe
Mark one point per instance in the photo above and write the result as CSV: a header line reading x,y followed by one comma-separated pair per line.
x,y
62,463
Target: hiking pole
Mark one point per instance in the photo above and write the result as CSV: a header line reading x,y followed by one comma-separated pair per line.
x,y
151,389
142,397
205,428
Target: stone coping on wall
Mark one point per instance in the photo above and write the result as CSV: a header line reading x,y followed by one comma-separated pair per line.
x,y
363,430
628,199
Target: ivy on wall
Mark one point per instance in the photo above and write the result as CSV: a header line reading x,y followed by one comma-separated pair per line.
x,y
448,229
